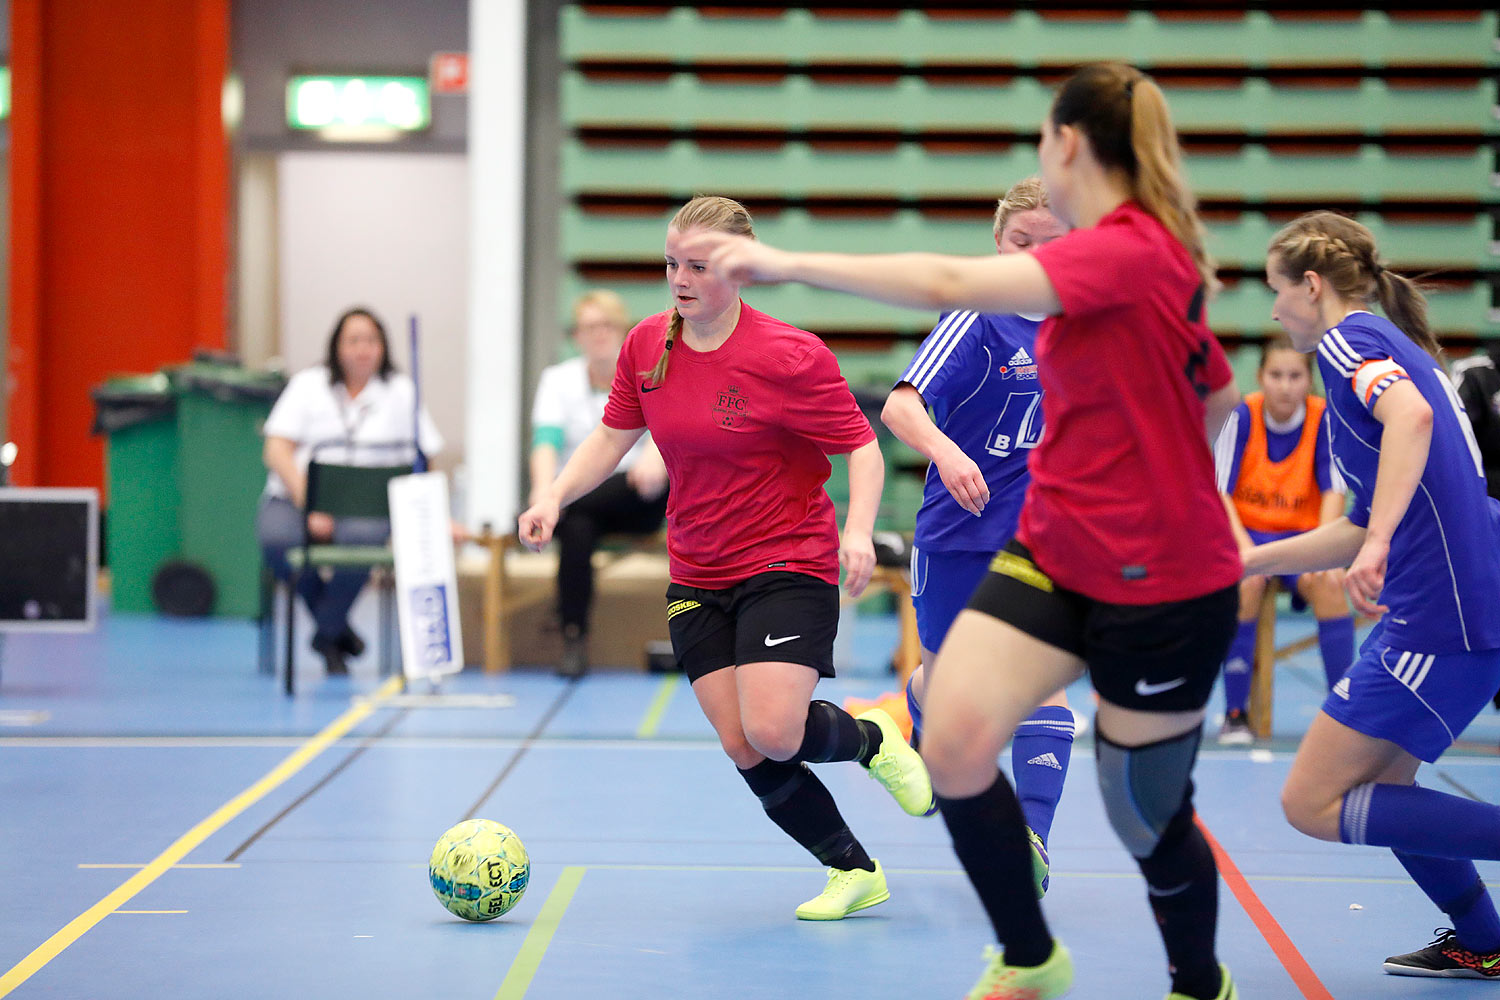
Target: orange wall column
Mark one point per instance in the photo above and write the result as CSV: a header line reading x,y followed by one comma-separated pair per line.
x,y
120,202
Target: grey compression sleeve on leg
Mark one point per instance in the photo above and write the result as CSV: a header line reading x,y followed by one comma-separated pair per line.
x,y
1144,787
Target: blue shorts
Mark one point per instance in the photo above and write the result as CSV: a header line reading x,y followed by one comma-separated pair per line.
x,y
1420,702
941,585
1288,580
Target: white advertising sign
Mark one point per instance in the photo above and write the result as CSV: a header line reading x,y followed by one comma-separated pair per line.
x,y
426,579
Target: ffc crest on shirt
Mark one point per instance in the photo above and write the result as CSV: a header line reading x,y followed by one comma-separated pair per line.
x,y
730,408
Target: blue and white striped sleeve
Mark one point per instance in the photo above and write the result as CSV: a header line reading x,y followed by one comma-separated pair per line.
x,y
1364,361
945,352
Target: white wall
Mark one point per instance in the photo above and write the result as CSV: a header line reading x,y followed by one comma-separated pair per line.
x,y
390,231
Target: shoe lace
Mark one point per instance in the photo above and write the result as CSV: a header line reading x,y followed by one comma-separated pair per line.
x,y
886,769
838,879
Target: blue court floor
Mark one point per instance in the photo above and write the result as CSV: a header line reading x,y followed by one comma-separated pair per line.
x,y
172,826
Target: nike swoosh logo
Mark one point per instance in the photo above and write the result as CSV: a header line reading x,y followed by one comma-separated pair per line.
x,y
649,388
1147,690
1489,963
777,642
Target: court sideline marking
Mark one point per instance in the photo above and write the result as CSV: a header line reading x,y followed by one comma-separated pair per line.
x,y
180,848
518,979
1303,977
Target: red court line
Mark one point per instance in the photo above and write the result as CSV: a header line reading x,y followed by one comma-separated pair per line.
x,y
1291,959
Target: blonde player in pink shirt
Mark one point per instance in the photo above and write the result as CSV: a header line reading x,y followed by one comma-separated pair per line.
x,y
745,410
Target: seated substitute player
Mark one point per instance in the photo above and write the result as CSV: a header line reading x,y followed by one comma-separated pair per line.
x,y
977,373
1277,481
745,410
1422,543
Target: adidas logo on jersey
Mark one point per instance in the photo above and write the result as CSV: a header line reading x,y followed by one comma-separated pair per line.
x,y
1020,365
1046,760
1342,688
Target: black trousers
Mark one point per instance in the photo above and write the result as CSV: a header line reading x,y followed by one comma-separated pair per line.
x,y
614,507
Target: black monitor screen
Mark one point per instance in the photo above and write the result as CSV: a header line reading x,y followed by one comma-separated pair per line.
x,y
49,558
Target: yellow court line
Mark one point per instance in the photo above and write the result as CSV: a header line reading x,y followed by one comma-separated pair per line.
x,y
658,707
81,924
529,958
220,864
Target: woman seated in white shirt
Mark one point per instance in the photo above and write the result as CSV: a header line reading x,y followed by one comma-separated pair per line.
x,y
569,404
357,410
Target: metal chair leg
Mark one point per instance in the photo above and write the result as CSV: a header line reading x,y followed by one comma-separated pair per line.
x,y
291,628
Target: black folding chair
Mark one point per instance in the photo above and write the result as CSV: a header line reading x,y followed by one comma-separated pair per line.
x,y
344,491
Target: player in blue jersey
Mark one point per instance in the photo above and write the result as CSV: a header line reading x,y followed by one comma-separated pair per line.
x,y
1422,544
976,373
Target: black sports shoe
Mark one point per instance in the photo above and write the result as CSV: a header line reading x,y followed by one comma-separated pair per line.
x,y
333,657
1445,958
349,642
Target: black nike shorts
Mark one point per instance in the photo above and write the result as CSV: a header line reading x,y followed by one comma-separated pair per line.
x,y
771,617
1152,657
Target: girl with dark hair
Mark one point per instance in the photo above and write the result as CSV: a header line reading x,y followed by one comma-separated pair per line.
x,y
354,409
1422,544
745,410
1123,566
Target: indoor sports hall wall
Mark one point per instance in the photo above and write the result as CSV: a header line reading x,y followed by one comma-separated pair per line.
x,y
899,127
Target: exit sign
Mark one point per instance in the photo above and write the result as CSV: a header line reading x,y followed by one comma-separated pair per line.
x,y
358,104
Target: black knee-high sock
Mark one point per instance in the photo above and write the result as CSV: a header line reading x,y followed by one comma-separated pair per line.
x,y
833,734
989,837
799,803
1182,884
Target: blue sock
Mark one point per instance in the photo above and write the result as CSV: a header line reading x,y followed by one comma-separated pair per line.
x,y
1237,667
1039,758
915,709
1421,821
1336,642
1458,891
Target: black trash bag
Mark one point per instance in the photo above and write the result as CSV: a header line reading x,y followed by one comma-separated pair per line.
x,y
183,589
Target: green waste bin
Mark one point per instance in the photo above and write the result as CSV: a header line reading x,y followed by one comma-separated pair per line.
x,y
221,410
138,413
185,477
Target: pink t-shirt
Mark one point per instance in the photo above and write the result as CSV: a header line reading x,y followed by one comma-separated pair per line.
x,y
1123,505
745,431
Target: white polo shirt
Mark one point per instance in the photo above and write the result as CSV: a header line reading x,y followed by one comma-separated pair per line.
x,y
373,428
565,398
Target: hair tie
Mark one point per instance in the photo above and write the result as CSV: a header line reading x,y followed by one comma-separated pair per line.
x,y
669,343
1377,268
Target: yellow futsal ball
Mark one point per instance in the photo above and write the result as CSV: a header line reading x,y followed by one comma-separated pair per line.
x,y
479,869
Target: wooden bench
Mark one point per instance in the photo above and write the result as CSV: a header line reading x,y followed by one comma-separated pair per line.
x,y
506,595
1267,655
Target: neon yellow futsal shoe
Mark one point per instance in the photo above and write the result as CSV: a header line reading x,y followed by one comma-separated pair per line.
x,y
1226,988
899,768
1051,979
846,892
1041,865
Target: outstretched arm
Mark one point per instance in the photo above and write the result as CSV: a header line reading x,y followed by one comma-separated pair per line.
x,y
1009,283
